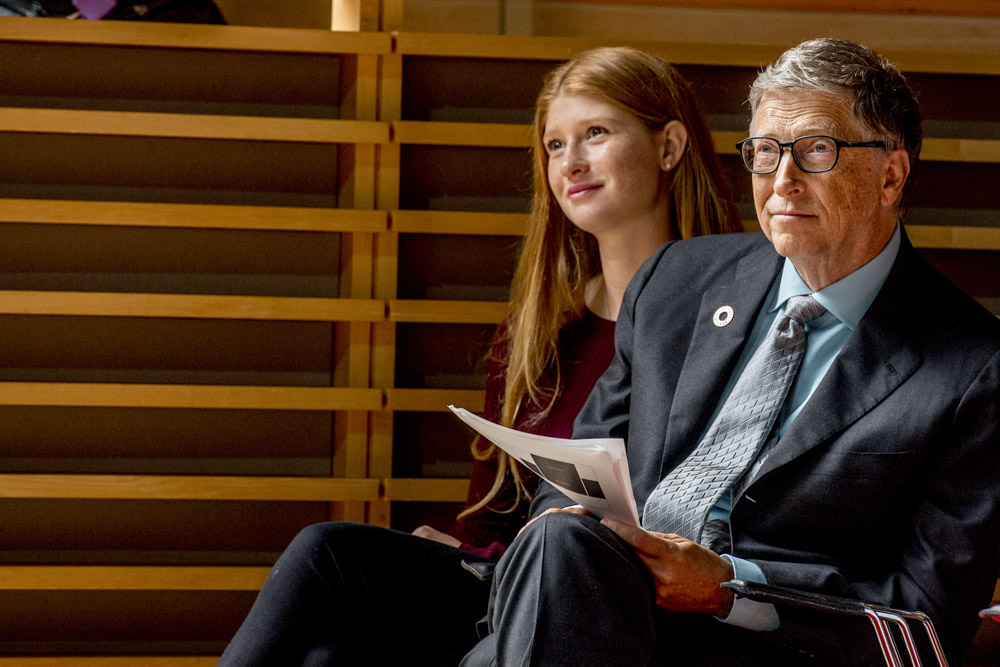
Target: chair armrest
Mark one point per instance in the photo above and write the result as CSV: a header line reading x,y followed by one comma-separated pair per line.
x,y
801,599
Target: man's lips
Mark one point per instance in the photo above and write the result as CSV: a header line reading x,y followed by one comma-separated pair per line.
x,y
790,215
581,190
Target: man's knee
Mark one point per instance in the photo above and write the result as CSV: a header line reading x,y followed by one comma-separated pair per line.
x,y
573,532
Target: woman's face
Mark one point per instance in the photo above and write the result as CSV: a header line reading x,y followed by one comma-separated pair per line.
x,y
605,168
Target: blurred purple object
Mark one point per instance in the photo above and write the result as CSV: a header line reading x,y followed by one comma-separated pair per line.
x,y
94,9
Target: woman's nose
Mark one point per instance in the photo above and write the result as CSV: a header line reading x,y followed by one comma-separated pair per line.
x,y
573,160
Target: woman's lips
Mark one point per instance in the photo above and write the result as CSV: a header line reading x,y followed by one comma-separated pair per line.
x,y
581,190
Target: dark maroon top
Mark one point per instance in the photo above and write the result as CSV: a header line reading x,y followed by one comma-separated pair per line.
x,y
587,347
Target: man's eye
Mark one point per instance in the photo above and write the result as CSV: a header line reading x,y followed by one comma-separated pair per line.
x,y
765,149
819,146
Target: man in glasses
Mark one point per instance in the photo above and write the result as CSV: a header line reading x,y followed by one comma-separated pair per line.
x,y
814,407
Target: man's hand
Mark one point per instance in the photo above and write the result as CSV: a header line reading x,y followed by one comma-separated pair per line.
x,y
686,574
434,534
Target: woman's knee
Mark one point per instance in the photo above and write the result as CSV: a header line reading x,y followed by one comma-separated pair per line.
x,y
321,541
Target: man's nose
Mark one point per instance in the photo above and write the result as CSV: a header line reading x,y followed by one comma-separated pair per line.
x,y
788,177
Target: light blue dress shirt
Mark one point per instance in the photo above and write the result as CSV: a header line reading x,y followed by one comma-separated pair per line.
x,y
846,301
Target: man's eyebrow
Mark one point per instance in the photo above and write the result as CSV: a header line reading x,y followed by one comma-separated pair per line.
x,y
823,129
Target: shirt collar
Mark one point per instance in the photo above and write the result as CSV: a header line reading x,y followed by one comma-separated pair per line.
x,y
848,298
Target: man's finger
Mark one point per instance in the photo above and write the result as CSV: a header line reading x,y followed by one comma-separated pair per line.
x,y
637,537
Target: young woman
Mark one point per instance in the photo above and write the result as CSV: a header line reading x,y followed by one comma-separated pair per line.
x,y
623,163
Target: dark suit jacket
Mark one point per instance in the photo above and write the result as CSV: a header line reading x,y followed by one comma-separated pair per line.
x,y
887,485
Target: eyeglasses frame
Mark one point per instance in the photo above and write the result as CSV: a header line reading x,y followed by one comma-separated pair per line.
x,y
782,145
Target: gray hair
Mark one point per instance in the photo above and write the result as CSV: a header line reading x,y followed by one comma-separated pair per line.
x,y
877,92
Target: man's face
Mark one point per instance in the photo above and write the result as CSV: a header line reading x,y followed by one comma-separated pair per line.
x,y
828,224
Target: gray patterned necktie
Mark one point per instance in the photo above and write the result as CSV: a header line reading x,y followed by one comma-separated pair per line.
x,y
680,503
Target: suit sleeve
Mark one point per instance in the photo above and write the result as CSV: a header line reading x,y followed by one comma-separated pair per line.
x,y
606,412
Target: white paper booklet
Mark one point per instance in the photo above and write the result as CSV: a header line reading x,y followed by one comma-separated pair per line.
x,y
592,473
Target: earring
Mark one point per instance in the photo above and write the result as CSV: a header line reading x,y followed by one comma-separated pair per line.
x,y
668,166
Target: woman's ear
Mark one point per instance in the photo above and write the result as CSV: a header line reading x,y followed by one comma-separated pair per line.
x,y
673,141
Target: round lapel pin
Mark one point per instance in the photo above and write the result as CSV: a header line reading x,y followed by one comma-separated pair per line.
x,y
723,316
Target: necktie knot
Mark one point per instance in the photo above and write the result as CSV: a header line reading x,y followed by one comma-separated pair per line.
x,y
803,309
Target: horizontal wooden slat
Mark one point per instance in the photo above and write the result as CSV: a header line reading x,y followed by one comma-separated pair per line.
x,y
561,48
131,578
461,134
434,400
72,394
960,150
192,216
110,661
954,238
513,224
458,222
930,59
192,126
426,490
979,8
180,487
450,312
191,36
486,134
198,306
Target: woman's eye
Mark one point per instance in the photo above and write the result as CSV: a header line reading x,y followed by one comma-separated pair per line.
x,y
596,131
553,145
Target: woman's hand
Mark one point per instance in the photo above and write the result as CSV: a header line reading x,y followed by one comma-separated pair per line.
x,y
686,574
436,535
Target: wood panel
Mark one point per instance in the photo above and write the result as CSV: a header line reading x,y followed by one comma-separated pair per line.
x,y
26,302
125,124
109,661
130,578
180,487
427,490
934,7
948,60
458,222
189,396
449,312
190,36
433,400
190,216
461,134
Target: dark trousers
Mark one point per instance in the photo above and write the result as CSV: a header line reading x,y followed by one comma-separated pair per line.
x,y
570,592
352,594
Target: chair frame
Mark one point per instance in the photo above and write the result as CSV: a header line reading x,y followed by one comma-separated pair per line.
x,y
881,617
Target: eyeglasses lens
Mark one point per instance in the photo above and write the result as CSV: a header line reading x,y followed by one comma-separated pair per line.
x,y
812,154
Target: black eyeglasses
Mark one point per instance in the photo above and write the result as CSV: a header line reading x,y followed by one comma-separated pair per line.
x,y
813,154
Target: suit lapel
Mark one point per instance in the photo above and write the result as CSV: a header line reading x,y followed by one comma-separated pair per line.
x,y
877,358
714,351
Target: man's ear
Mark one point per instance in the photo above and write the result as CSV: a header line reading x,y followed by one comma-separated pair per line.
x,y
673,142
897,170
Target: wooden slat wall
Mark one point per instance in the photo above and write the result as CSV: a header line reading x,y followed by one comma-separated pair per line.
x,y
135,239
412,179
